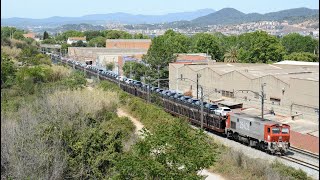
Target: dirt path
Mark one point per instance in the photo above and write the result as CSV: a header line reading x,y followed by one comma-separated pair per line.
x,y
136,123
139,126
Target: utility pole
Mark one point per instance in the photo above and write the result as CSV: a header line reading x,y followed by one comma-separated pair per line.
x,y
130,70
262,99
118,75
201,101
148,90
198,76
158,76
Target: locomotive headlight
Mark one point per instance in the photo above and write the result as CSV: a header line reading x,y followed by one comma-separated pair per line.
x,y
268,137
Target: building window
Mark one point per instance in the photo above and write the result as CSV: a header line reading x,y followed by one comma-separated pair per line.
x,y
228,94
275,101
223,93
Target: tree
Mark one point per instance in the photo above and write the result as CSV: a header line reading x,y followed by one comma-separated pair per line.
x,y
137,69
172,151
162,52
79,44
64,47
97,41
71,33
110,66
114,34
6,32
295,42
92,34
259,47
302,56
18,35
140,36
206,43
231,56
49,41
45,35
8,71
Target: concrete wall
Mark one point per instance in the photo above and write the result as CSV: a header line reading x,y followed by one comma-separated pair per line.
x,y
128,44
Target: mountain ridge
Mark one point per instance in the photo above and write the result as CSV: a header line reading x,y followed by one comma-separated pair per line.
x,y
231,16
119,17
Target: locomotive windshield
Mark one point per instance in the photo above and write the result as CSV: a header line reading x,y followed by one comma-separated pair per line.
x,y
275,130
285,130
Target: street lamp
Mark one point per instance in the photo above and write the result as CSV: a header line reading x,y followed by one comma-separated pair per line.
x,y
158,68
262,95
198,76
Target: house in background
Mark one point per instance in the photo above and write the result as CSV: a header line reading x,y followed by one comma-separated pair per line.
x,y
76,39
32,36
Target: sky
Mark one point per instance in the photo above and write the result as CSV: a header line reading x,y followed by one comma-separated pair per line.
x,y
38,9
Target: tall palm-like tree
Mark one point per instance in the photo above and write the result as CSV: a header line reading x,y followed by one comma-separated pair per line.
x,y
231,56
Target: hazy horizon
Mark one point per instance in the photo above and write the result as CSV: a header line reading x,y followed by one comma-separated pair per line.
x,y
37,9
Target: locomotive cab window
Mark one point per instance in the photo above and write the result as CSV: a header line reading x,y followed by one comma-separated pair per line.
x,y
285,131
275,130
268,130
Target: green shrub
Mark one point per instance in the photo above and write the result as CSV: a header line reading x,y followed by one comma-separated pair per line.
x,y
76,80
289,172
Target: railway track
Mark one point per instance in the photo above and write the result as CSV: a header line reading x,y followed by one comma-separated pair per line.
x,y
300,162
304,152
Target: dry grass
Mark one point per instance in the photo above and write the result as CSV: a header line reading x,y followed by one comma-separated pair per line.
x,y
59,72
237,166
30,147
12,52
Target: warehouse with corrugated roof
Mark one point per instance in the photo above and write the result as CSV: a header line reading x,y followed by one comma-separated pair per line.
x,y
289,88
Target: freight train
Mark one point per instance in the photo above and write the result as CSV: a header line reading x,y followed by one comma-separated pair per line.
x,y
266,135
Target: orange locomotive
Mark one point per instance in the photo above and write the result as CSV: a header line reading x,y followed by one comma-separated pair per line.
x,y
266,135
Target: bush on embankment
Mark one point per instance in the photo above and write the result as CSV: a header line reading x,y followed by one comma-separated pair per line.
x,y
65,134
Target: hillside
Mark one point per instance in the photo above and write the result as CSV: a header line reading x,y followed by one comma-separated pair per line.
x,y
233,16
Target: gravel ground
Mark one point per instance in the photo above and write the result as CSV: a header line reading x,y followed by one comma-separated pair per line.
x,y
254,153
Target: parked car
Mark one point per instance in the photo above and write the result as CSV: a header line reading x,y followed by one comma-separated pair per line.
x,y
199,104
137,83
159,90
211,107
177,96
129,81
193,101
185,98
154,89
222,111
